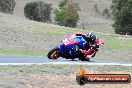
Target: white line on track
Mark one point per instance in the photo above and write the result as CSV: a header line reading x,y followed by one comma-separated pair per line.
x,y
70,63
32,60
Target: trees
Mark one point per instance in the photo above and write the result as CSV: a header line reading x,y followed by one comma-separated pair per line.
x,y
63,3
122,12
38,11
60,15
7,6
67,15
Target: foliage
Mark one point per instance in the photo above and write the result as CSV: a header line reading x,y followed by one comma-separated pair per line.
x,y
38,11
67,15
123,16
60,15
7,6
63,3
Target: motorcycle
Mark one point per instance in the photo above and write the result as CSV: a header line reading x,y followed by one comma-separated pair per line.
x,y
70,48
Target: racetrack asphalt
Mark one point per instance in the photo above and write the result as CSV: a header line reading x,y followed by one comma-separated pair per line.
x,y
40,60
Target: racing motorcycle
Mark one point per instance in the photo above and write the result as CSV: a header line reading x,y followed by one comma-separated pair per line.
x,y
69,48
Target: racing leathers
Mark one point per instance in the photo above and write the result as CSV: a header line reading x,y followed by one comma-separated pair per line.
x,y
90,47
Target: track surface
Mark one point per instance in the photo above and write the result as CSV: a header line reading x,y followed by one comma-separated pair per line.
x,y
39,60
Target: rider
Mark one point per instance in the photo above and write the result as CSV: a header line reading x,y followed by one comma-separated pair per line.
x,y
90,46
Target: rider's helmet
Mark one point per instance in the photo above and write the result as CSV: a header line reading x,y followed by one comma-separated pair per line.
x,y
91,37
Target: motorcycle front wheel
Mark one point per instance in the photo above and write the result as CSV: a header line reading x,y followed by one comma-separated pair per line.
x,y
53,54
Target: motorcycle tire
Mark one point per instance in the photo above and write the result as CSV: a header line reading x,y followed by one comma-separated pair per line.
x,y
53,53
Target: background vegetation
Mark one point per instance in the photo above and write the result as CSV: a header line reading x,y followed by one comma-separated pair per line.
x,y
122,11
38,11
67,13
7,6
20,36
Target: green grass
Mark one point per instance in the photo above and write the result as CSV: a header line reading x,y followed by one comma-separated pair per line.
x,y
64,69
19,52
114,43
4,68
54,33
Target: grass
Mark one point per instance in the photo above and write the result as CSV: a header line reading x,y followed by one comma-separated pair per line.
x,y
115,43
19,52
3,68
65,69
52,35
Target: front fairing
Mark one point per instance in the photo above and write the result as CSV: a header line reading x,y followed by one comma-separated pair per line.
x,y
81,42
68,45
70,40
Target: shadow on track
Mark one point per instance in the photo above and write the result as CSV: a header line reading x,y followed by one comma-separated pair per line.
x,y
75,60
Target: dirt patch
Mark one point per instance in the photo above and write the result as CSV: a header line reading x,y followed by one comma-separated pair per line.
x,y
69,81
48,81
